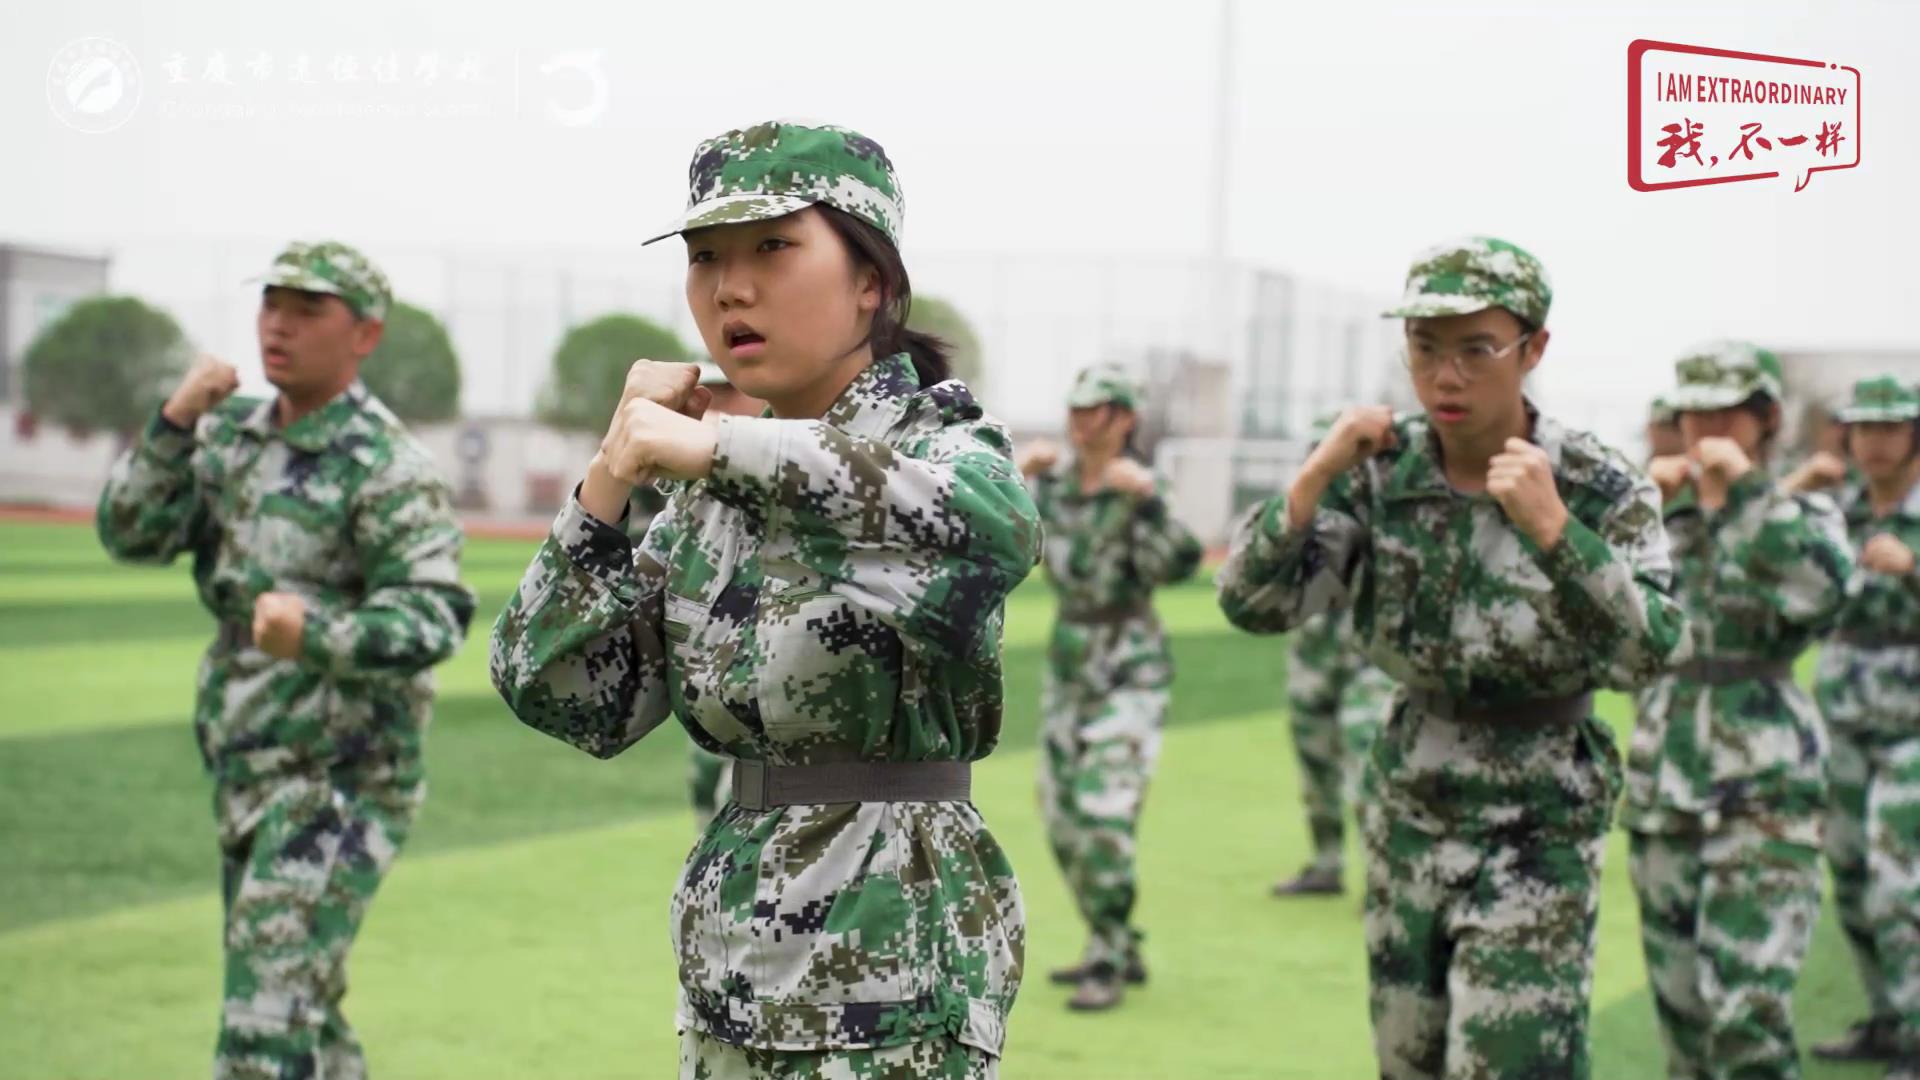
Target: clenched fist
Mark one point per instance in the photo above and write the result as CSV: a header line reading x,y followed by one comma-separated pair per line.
x,y
649,439
1722,459
1036,457
1670,473
1127,476
207,383
1823,470
1885,554
1357,435
279,619
1520,478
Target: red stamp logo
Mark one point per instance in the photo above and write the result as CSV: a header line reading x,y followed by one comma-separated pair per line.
x,y
1714,116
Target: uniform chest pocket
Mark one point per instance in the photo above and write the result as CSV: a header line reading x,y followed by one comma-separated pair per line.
x,y
831,668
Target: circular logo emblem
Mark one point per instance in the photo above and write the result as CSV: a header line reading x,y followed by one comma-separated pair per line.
x,y
93,84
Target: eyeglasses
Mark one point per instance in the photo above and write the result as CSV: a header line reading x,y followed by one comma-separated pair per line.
x,y
1425,359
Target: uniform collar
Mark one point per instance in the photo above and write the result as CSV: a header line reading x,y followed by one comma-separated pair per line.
x,y
315,431
1417,473
875,401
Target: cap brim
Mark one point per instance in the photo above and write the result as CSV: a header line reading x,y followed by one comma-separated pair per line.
x,y
732,210
1707,398
1437,305
287,277
1868,414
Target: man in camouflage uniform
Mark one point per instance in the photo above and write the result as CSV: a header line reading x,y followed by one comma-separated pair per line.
x,y
1110,541
1725,778
1337,702
1500,567
1868,689
324,544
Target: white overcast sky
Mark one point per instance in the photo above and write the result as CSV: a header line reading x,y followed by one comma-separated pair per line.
x,y
1362,131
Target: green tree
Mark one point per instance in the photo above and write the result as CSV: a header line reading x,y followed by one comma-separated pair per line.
x,y
591,366
415,370
932,315
105,365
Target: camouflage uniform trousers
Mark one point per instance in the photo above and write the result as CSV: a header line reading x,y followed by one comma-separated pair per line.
x,y
1479,952
302,856
1725,920
708,784
1873,847
703,1057
1100,750
1337,703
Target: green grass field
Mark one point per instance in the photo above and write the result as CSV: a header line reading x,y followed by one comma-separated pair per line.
x,y
524,932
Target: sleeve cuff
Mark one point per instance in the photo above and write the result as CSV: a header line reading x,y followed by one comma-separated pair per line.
x,y
1580,552
167,440
747,454
316,650
1754,484
598,549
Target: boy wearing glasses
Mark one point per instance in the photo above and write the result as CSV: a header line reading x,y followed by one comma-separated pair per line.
x,y
1500,567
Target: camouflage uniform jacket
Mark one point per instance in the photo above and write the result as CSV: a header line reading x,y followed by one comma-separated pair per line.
x,y
1104,555
344,509
1447,596
1875,687
1761,578
833,591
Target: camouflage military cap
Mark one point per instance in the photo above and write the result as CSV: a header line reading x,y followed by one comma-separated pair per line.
x,y
329,266
1881,400
1104,383
774,169
1722,374
1474,274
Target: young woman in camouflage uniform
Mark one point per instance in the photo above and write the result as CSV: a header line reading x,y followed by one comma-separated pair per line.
x,y
1869,692
1110,541
821,601
1726,775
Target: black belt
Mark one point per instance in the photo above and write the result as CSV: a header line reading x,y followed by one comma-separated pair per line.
x,y
1570,709
1864,639
1727,672
234,636
758,785
1107,615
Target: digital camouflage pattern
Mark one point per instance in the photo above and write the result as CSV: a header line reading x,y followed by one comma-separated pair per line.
x,y
331,267
1106,690
833,591
703,1057
1722,374
1868,689
1473,274
1104,384
1882,399
301,859
317,760
1447,596
1726,784
774,169
343,508
1337,702
1725,918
